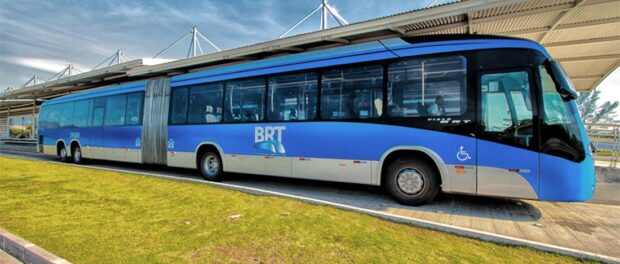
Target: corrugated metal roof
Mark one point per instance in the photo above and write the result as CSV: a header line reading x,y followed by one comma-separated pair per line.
x,y
583,34
591,49
593,12
531,21
518,8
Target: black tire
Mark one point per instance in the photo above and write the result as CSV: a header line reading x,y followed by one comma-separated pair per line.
x,y
411,191
76,155
210,166
62,153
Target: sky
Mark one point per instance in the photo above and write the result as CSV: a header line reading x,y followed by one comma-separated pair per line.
x,y
43,37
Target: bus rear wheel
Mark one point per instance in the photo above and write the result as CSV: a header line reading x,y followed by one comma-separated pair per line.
x,y
77,155
411,181
62,154
211,166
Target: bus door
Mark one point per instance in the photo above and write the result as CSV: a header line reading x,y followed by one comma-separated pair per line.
x,y
508,163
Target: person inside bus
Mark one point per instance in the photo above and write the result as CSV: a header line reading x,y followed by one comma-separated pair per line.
x,y
437,108
378,103
292,115
236,114
210,116
249,116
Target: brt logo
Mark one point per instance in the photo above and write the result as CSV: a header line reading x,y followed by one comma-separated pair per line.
x,y
269,138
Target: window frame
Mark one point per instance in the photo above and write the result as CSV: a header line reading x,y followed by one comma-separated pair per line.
x,y
141,108
90,102
534,101
105,112
172,89
92,111
189,88
51,109
317,115
63,104
380,118
189,101
264,119
469,90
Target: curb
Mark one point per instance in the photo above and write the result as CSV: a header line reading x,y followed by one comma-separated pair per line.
x,y
461,231
25,251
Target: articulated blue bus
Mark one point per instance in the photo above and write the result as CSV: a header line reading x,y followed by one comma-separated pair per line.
x,y
478,115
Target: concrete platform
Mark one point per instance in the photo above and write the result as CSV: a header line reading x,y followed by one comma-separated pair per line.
x,y
591,227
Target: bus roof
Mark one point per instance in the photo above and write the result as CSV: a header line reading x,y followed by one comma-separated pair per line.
x,y
363,52
103,91
369,51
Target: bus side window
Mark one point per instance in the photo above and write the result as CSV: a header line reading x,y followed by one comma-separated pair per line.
x,y
81,111
245,100
292,97
115,110
97,112
133,115
205,104
352,92
54,116
66,114
178,106
427,87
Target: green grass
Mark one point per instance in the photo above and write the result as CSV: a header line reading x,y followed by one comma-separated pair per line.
x,y
95,216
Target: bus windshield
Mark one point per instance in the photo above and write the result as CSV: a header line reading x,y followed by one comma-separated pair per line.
x,y
561,134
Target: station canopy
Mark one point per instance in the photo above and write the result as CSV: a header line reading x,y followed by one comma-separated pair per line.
x,y
584,35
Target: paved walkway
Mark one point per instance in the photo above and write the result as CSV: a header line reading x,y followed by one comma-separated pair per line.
x,y
592,227
17,147
5,258
583,226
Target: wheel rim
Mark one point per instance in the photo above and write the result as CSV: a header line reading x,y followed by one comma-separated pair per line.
x,y
63,153
410,181
211,165
78,155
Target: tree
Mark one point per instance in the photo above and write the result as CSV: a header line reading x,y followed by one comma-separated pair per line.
x,y
591,112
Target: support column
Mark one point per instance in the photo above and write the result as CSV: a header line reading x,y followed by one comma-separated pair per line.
x,y
8,123
34,119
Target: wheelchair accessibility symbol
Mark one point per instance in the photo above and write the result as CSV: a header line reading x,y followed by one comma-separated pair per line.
x,y
462,155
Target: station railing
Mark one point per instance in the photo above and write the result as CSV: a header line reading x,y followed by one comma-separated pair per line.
x,y
606,140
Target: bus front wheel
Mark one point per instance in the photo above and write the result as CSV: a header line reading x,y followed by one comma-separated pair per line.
x,y
211,166
411,181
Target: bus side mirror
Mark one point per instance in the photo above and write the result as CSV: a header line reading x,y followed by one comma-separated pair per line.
x,y
560,78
